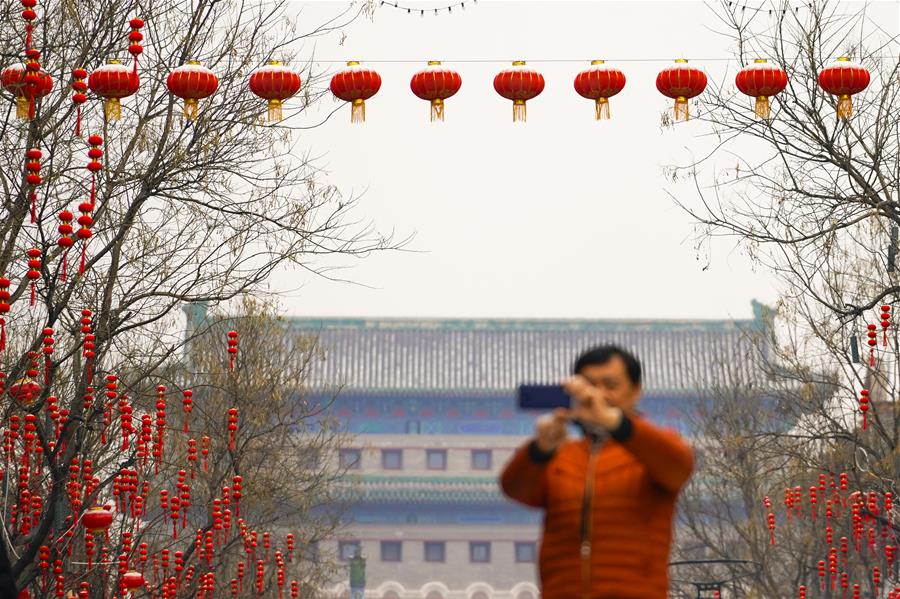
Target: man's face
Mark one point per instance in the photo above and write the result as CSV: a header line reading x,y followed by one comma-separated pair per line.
x,y
612,379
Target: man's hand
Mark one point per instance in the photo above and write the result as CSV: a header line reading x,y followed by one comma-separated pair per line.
x,y
589,405
550,430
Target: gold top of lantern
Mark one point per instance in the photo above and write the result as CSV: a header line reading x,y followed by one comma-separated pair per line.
x,y
114,61
193,62
843,59
681,60
518,63
598,62
274,63
760,60
352,63
432,63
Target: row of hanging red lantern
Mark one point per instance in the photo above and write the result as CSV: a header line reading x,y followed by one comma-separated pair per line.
x,y
600,82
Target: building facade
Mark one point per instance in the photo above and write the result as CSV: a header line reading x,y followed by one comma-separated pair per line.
x,y
432,407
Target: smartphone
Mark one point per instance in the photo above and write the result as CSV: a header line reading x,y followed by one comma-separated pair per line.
x,y
543,397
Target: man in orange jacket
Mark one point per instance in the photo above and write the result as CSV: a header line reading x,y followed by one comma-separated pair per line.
x,y
608,498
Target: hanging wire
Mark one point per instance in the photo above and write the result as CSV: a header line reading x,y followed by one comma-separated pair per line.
x,y
410,10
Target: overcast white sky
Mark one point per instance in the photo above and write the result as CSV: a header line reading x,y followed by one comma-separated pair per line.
x,y
561,217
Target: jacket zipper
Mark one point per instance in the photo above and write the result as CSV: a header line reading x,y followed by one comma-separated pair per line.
x,y
586,526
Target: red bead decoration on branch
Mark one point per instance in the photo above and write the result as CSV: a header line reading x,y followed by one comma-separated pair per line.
x,y
844,79
681,82
33,178
885,322
275,83
519,83
232,426
135,38
5,297
192,82
160,425
29,15
599,83
65,240
188,403
232,348
436,84
864,406
48,353
88,352
761,80
84,233
204,450
34,270
872,341
94,165
79,95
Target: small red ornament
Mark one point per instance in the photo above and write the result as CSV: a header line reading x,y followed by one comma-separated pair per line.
x,y
84,233
232,348
885,322
771,523
204,450
34,270
761,80
94,165
232,426
113,82
872,341
436,84
79,95
135,38
33,178
681,82
519,84
188,403
48,353
599,83
65,241
843,79
5,296
192,82
275,83
864,406
356,84
29,15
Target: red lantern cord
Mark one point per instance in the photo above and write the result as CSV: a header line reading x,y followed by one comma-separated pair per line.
x,y
33,178
34,273
232,426
88,344
192,455
135,38
232,348
84,233
65,241
885,322
29,15
4,309
160,424
79,95
864,406
94,165
236,489
204,449
873,341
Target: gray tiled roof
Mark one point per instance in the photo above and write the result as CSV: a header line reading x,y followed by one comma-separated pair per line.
x,y
497,355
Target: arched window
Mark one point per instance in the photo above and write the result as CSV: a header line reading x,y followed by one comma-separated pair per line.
x,y
479,595
525,595
434,595
390,595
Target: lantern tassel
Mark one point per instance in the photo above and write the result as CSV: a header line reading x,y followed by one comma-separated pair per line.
x,y
872,357
437,110
274,110
190,109
47,364
681,109
33,198
93,190
231,363
83,258
601,109
519,111
21,107
31,104
29,28
884,338
358,112
33,295
65,263
78,120
865,421
113,109
762,108
2,334
845,107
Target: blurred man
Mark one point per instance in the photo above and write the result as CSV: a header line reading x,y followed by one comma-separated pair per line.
x,y
609,497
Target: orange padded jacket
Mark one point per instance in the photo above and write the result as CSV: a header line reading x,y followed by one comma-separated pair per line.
x,y
608,510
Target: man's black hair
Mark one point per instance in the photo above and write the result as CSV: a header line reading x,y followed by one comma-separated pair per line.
x,y
603,354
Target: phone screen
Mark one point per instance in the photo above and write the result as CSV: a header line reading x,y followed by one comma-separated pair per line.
x,y
542,397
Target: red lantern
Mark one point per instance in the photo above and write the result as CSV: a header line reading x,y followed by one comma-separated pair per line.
x,y
48,353
188,404
79,87
97,520
24,391
761,80
65,241
435,84
192,82
356,84
872,341
864,406
29,15
94,165
135,38
600,83
33,178
276,83
132,580
4,309
885,322
232,426
28,83
113,82
843,79
519,84
681,82
34,273
232,348
84,233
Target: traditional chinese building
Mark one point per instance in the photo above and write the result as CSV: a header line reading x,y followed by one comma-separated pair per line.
x,y
432,406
